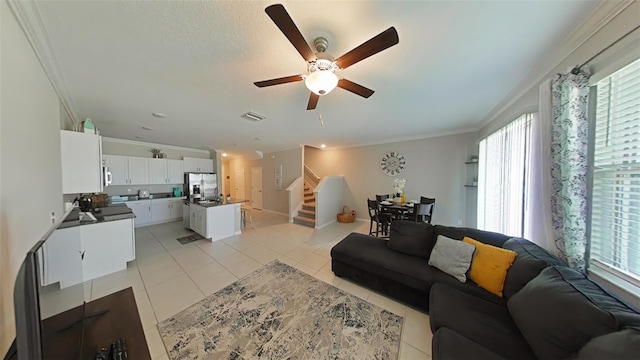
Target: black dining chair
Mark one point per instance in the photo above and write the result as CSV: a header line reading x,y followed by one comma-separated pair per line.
x,y
382,197
382,220
428,201
422,213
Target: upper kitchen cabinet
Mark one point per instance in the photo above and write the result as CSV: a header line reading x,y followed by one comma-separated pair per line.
x,y
166,171
81,162
198,165
128,170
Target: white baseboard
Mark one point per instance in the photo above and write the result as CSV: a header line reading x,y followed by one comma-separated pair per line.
x,y
325,225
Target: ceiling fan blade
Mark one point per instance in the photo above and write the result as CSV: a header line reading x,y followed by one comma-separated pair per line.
x,y
283,21
313,101
384,40
355,88
278,81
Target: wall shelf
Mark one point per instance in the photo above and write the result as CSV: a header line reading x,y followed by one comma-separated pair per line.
x,y
470,186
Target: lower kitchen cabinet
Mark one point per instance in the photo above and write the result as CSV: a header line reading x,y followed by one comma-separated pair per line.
x,y
163,210
85,252
142,210
198,221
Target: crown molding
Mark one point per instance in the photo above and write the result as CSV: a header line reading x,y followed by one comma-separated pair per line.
x,y
601,16
143,143
30,20
408,138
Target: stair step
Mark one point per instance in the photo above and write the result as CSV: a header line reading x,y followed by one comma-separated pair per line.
x,y
309,206
307,213
309,193
304,221
310,200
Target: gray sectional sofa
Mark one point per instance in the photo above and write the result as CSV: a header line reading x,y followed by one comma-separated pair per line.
x,y
548,311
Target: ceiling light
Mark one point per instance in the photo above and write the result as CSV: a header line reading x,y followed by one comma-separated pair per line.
x,y
258,138
159,115
253,116
147,128
321,82
224,154
323,146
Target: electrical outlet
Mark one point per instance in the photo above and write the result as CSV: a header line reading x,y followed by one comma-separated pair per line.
x,y
459,222
129,191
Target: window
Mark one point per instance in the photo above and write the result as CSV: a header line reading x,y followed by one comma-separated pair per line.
x,y
502,170
615,211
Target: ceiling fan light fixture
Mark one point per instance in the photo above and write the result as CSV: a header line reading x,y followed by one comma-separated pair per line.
x,y
321,82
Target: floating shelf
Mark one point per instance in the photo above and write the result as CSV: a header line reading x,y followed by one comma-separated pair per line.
x,y
472,186
471,162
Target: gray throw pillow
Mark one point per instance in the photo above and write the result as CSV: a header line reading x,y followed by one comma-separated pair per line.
x,y
452,256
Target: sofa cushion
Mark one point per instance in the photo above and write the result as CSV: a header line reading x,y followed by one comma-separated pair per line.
x,y
489,266
623,344
452,256
448,344
371,254
480,321
530,261
560,311
411,238
458,233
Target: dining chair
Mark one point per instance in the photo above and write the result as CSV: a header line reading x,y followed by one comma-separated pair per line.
x,y
382,197
432,202
422,213
382,220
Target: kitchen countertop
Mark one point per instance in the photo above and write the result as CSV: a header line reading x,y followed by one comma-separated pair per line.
x,y
221,203
151,197
109,213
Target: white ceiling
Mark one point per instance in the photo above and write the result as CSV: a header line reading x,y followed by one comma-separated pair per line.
x,y
196,62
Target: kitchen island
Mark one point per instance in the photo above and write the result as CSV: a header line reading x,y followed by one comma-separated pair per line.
x,y
216,220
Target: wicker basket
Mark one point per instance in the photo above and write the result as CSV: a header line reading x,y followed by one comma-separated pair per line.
x,y
345,216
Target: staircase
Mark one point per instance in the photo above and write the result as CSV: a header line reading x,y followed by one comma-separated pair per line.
x,y
307,215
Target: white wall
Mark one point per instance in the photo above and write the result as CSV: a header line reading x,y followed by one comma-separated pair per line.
x,y
272,199
331,190
609,33
435,168
30,177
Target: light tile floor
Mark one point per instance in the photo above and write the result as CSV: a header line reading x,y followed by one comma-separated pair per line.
x,y
168,277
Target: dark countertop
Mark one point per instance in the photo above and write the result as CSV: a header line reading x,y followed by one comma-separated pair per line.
x,y
221,203
152,197
109,213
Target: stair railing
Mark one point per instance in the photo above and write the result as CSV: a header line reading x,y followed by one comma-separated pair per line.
x,y
296,197
311,177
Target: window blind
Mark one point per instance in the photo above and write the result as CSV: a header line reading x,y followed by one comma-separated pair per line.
x,y
503,162
615,214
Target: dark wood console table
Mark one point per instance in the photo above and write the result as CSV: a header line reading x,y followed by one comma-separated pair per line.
x,y
121,320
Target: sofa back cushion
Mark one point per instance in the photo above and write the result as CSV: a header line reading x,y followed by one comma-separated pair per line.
x,y
530,261
560,311
411,238
458,233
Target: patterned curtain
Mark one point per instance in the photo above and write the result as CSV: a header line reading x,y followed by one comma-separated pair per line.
x,y
570,93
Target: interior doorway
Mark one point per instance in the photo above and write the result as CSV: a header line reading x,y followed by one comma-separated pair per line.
x,y
256,187
240,193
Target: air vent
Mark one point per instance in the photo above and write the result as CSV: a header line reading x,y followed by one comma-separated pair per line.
x,y
253,116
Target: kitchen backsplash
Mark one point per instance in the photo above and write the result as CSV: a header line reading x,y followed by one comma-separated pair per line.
x,y
153,189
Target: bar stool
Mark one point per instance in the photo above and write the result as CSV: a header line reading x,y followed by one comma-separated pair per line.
x,y
244,211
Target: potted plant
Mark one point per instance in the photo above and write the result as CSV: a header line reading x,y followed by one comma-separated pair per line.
x,y
157,153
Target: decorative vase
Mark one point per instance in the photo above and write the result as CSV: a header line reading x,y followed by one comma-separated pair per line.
x,y
403,198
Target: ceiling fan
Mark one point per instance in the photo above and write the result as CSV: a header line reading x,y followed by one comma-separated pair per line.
x,y
322,78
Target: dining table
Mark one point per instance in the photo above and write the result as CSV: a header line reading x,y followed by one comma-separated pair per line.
x,y
399,211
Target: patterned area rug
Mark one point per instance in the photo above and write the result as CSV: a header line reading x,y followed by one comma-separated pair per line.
x,y
279,312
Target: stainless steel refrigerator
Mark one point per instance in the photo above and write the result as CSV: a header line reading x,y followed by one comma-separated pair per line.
x,y
207,183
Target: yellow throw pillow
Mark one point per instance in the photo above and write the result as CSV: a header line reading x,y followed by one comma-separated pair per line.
x,y
489,266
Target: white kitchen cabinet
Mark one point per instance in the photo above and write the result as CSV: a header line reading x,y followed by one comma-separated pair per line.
x,y
198,220
198,165
81,162
176,208
62,258
142,210
85,252
138,170
166,171
128,170
107,247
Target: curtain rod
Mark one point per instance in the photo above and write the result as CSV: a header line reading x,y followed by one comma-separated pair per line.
x,y
576,69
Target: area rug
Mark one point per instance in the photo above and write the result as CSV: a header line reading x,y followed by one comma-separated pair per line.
x,y
189,238
279,312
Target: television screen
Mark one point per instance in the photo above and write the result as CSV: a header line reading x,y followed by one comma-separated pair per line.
x,y
49,298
